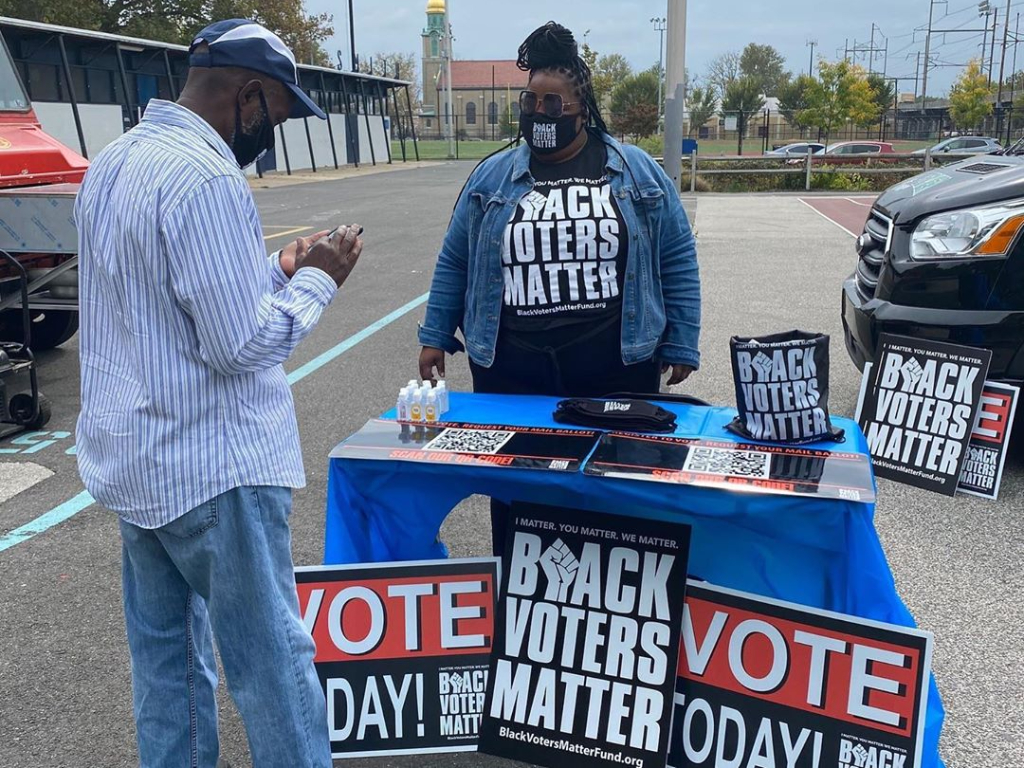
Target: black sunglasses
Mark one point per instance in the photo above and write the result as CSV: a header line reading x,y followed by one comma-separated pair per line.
x,y
552,103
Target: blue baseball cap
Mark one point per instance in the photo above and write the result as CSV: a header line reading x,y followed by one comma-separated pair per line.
x,y
246,44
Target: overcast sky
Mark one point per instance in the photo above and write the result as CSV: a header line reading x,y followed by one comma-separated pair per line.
x,y
489,29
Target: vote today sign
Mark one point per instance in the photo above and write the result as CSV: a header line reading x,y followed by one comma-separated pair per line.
x,y
918,405
587,639
402,652
777,685
990,441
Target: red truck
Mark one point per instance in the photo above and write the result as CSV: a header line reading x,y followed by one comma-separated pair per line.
x,y
39,178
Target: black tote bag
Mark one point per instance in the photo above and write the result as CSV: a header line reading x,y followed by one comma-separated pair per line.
x,y
782,388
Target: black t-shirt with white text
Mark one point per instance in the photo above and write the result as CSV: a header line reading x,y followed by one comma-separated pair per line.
x,y
564,250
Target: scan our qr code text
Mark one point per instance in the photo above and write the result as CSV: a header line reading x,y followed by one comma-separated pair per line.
x,y
488,441
720,461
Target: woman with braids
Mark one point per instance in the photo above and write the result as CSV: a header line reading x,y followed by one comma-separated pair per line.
x,y
568,264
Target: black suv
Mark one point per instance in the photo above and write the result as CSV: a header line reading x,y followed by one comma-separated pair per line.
x,y
941,258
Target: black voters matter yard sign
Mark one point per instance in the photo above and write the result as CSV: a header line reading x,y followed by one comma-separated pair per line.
x,y
918,405
402,652
587,639
768,684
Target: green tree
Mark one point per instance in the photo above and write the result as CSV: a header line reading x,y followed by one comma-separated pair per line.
x,y
401,66
970,98
634,105
765,66
703,105
177,21
743,98
82,14
611,70
723,70
794,98
883,92
840,93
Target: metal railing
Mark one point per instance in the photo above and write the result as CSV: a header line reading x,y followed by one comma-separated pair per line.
x,y
812,164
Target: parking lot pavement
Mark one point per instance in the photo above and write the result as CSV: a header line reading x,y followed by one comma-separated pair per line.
x,y
847,213
768,264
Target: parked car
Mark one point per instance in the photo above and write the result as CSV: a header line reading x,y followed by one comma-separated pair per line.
x,y
965,145
797,150
855,151
942,257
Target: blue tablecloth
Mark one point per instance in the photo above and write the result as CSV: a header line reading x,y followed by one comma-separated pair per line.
x,y
817,552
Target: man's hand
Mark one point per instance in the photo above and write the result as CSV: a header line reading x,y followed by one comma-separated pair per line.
x,y
680,373
336,256
431,358
288,253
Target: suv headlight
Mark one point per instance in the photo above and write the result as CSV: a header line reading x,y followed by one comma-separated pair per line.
x,y
988,231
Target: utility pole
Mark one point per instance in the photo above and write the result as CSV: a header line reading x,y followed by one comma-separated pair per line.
x,y
659,26
1013,77
992,51
870,60
1002,65
917,75
448,80
810,65
984,10
675,104
927,53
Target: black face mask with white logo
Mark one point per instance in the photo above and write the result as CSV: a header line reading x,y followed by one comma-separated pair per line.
x,y
250,146
546,135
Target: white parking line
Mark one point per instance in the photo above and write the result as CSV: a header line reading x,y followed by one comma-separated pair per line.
x,y
826,218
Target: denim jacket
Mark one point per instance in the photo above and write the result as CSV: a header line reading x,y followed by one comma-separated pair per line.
x,y
661,292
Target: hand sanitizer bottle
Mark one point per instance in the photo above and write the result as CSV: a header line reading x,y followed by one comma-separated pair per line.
x,y
430,409
416,407
442,397
402,407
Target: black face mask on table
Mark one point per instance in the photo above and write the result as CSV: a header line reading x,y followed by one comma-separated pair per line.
x,y
250,147
546,135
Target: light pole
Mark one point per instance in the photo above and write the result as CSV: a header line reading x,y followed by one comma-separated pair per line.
x,y
675,95
352,35
810,65
448,79
659,26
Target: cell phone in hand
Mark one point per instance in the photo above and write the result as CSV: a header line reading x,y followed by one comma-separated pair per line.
x,y
337,232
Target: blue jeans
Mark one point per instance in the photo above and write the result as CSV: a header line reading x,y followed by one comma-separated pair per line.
x,y
222,570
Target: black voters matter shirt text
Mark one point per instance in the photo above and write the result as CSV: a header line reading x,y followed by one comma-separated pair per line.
x,y
564,251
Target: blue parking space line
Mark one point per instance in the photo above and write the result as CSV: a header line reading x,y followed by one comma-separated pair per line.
x,y
44,522
84,500
321,360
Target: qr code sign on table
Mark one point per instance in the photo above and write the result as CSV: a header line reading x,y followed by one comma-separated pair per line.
x,y
720,461
487,441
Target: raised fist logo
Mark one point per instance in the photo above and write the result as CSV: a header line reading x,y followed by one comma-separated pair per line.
x,y
763,365
912,371
456,683
860,755
560,566
533,204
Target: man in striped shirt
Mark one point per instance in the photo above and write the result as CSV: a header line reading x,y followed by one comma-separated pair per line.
x,y
188,427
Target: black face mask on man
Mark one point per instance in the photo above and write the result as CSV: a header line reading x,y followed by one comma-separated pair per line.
x,y
252,142
546,135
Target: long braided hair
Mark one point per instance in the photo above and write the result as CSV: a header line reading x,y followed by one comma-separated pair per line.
x,y
552,48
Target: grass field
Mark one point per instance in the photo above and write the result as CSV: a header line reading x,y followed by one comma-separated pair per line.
x,y
477,150
438,150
